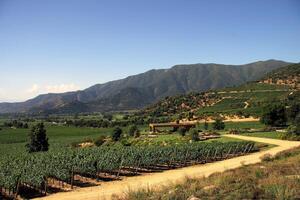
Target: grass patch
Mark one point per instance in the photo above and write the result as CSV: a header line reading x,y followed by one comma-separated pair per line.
x,y
272,135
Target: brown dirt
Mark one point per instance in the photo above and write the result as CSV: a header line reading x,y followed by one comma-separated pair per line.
x,y
155,180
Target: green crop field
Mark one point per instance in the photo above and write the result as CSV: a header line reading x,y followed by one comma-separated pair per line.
x,y
237,125
256,86
273,134
14,140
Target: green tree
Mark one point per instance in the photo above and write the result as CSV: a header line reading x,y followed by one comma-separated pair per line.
x,y
218,124
108,116
194,134
293,131
274,115
132,129
182,131
205,125
293,111
38,140
137,133
116,134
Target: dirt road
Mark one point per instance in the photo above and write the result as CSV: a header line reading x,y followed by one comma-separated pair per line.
x,y
107,189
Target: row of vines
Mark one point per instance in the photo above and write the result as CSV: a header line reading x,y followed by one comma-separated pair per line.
x,y
33,170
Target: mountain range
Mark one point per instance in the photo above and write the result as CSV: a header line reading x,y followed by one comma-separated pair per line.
x,y
137,91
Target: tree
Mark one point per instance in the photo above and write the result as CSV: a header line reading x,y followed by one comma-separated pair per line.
x,y
205,125
293,131
293,111
132,129
182,131
38,140
137,133
108,116
218,124
116,134
25,125
190,116
274,115
194,134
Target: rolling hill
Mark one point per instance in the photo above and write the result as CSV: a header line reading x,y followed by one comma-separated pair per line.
x,y
143,89
280,85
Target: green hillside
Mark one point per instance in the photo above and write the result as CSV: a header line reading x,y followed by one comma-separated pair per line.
x,y
244,100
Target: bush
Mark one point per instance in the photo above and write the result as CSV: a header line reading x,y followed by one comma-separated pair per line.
x,y
137,133
132,129
234,131
116,134
267,158
182,131
205,125
274,115
99,141
194,134
125,142
218,124
293,133
293,112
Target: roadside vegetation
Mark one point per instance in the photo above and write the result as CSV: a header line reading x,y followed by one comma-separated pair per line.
x,y
275,178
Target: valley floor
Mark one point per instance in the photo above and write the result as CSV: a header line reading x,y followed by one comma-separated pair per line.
x,y
156,180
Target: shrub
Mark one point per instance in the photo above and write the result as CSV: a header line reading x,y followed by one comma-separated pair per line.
x,y
87,140
99,141
205,125
293,133
74,144
132,129
125,142
116,134
218,124
267,158
293,111
194,134
234,131
182,131
137,133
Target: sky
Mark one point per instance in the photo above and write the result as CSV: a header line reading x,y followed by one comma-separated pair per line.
x,y
66,45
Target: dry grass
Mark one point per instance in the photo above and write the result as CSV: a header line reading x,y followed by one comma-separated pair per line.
x,y
278,178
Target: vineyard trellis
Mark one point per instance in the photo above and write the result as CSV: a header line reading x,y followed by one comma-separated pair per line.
x,y
34,170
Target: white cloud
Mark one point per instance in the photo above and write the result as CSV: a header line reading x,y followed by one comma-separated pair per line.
x,y
33,89
12,95
41,89
61,88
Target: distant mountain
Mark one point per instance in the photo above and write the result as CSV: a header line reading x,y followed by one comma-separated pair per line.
x,y
143,89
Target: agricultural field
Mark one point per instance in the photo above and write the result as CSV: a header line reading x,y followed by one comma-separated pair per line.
x,y
272,134
234,102
36,170
115,160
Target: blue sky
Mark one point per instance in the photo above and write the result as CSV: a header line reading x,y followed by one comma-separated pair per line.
x,y
61,45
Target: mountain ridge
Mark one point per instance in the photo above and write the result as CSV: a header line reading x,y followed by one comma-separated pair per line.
x,y
143,89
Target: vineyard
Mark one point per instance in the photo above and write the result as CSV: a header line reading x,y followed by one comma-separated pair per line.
x,y
38,171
